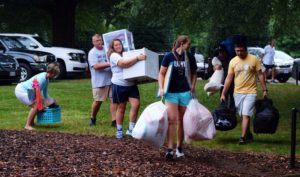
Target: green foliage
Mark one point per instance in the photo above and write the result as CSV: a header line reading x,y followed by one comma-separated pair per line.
x,y
75,98
25,16
289,43
155,24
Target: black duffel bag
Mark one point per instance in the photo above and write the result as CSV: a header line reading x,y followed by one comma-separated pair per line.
x,y
266,117
224,118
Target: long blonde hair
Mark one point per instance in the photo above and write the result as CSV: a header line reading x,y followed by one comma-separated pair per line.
x,y
182,39
111,47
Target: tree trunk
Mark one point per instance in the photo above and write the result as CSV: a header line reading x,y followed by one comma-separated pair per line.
x,y
64,23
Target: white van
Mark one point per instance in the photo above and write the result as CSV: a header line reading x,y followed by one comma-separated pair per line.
x,y
70,60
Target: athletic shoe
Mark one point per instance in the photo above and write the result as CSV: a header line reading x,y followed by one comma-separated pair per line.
x,y
242,141
129,132
179,152
273,81
114,123
92,122
119,134
169,154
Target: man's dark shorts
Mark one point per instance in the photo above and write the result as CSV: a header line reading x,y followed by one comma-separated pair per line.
x,y
269,66
121,94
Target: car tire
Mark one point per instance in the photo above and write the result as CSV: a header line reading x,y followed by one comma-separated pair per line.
x,y
282,78
26,72
63,71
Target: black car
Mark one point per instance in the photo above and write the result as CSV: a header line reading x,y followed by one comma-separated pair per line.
x,y
9,69
30,61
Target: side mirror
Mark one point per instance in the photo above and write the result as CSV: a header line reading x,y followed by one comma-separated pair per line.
x,y
32,45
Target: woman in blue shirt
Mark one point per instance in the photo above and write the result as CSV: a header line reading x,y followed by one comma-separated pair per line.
x,y
26,92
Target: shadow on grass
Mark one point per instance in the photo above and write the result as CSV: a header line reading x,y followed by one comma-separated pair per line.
x,y
233,140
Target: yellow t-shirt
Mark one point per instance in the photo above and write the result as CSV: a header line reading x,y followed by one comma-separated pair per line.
x,y
244,71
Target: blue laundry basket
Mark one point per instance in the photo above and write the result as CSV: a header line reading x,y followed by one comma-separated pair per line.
x,y
49,116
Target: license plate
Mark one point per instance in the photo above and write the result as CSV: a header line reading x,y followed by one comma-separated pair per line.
x,y
12,73
286,71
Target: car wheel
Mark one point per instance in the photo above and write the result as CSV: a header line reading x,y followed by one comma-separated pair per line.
x,y
26,72
62,68
282,78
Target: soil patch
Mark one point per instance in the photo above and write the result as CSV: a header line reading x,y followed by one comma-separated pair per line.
x,y
24,153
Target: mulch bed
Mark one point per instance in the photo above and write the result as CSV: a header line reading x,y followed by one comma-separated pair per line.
x,y
25,153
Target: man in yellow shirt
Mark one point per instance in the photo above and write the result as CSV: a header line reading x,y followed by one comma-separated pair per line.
x,y
243,69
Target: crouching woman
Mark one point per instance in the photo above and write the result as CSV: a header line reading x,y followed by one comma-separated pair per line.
x,y
29,92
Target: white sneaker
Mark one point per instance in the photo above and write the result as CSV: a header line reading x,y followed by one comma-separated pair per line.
x,y
119,134
179,153
129,132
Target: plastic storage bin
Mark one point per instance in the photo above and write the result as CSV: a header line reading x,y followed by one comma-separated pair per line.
x,y
49,116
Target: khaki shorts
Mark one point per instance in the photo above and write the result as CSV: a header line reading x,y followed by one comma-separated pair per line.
x,y
102,93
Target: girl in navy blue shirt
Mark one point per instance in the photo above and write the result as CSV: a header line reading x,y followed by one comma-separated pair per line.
x,y
181,87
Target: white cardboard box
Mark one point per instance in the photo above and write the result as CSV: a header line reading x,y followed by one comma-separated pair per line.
x,y
142,71
124,35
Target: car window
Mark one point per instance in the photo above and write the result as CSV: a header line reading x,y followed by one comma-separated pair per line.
x,y
2,47
25,41
256,52
12,43
43,42
199,58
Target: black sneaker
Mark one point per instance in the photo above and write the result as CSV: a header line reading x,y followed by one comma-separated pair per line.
x,y
169,154
114,123
242,141
92,122
249,136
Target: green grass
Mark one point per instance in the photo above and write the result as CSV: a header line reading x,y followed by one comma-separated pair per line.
x,y
75,98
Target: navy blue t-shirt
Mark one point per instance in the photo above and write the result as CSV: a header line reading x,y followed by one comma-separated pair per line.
x,y
178,82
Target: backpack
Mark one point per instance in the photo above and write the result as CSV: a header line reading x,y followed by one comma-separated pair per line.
x,y
266,117
230,41
224,118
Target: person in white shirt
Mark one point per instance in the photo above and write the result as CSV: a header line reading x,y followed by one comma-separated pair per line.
x,y
268,59
123,91
101,79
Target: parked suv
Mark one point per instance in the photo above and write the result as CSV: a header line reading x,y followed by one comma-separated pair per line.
x,y
30,61
9,69
70,60
283,62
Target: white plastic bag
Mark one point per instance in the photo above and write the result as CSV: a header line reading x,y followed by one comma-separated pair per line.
x,y
215,81
198,123
152,125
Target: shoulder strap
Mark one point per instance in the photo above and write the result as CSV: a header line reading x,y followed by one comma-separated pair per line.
x,y
187,69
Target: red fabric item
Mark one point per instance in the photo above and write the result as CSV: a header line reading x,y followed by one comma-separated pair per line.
x,y
38,98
